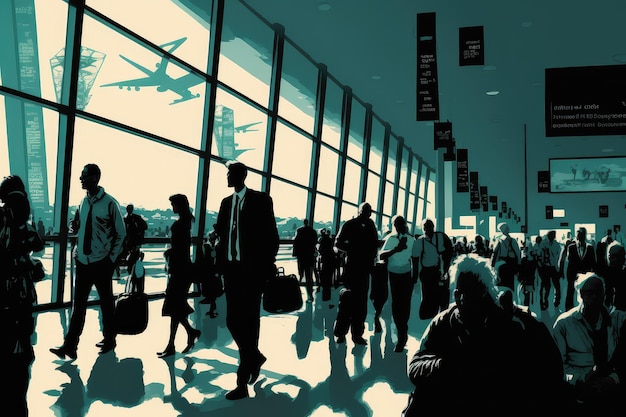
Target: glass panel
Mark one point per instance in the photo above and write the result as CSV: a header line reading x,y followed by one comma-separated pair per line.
x,y
40,34
388,203
422,188
165,22
420,212
331,130
387,227
431,190
352,182
357,125
414,168
400,205
391,160
292,155
150,184
327,172
246,53
404,167
289,201
410,216
377,143
298,89
239,131
142,89
430,211
348,211
324,211
44,287
29,130
373,182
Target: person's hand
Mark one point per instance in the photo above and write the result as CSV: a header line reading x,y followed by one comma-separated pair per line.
x,y
402,245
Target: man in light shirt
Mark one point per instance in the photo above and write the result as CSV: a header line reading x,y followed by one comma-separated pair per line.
x,y
397,250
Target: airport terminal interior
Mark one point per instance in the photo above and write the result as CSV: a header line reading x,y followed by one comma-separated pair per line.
x,y
323,102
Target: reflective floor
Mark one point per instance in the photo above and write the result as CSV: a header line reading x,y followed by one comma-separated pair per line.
x,y
306,373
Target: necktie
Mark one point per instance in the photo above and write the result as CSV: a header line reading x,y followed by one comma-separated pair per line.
x,y
233,232
88,233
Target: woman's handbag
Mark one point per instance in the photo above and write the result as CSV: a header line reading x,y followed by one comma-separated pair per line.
x,y
131,308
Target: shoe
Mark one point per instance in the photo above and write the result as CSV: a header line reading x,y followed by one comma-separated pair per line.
x,y
169,351
101,343
194,334
359,341
341,339
254,374
212,314
205,301
237,394
62,352
107,347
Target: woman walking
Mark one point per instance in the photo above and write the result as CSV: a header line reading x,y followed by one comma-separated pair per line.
x,y
175,304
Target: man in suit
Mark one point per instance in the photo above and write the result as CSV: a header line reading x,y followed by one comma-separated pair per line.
x,y
100,230
246,256
580,258
304,247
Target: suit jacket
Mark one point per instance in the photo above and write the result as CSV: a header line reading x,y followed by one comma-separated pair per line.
x,y
577,264
258,234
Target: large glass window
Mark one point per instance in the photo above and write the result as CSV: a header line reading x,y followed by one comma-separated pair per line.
x,y
357,125
327,171
391,160
324,212
289,201
404,167
352,182
377,144
373,188
388,203
239,131
39,33
331,130
246,53
138,87
298,89
292,155
129,177
154,19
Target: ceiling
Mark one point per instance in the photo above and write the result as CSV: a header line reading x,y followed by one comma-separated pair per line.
x,y
370,46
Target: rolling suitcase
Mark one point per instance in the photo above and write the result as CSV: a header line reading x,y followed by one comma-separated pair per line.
x,y
131,309
282,293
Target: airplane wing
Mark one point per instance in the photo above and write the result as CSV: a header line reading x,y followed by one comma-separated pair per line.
x,y
246,128
148,81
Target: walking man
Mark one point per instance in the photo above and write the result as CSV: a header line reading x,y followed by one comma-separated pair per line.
x,y
358,238
304,247
246,256
100,230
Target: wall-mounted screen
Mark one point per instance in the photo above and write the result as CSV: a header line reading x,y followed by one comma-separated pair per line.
x,y
585,101
582,175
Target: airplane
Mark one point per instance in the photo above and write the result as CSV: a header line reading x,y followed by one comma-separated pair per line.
x,y
246,128
160,79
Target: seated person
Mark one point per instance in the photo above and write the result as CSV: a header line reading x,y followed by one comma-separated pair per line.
x,y
482,354
588,337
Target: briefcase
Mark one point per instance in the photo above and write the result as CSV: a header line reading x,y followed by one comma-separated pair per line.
x,y
131,309
282,293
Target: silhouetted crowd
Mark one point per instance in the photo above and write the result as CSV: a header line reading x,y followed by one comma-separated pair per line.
x,y
487,347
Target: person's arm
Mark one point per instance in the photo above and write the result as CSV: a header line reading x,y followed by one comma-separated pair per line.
x,y
341,241
387,251
561,264
496,254
117,240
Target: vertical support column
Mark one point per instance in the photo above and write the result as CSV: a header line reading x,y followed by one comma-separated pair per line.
x,y
277,69
204,165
